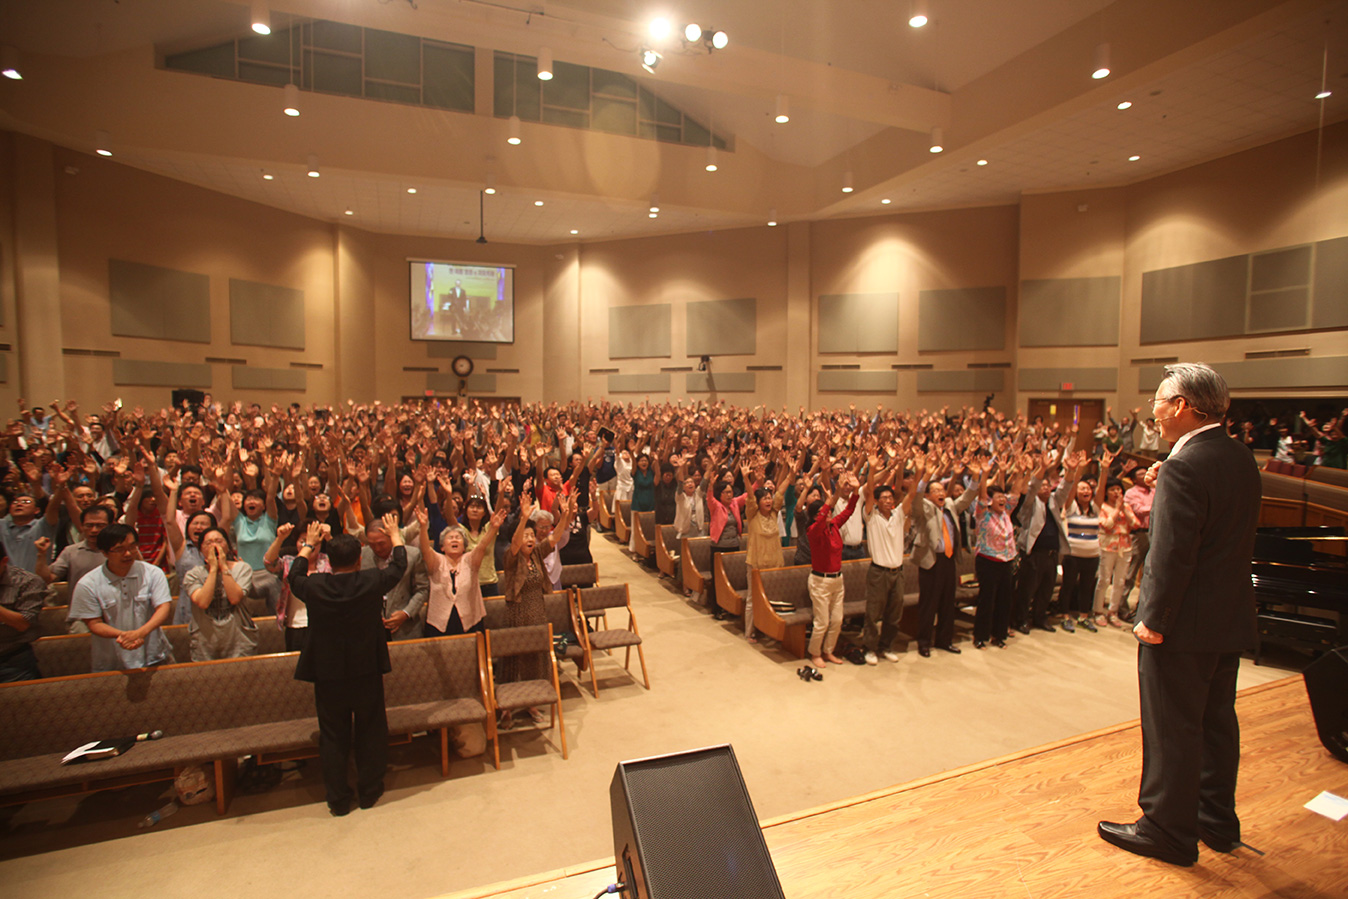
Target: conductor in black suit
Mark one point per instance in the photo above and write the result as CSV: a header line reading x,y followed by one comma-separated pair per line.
x,y
346,658
1195,617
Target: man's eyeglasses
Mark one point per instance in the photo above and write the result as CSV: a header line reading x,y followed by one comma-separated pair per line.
x,y
1166,399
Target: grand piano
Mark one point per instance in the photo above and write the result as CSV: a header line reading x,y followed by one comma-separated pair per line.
x,y
1300,579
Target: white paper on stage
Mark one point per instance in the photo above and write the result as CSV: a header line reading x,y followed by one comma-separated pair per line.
x,y
1335,808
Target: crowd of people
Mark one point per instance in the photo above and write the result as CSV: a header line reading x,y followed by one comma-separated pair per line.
x,y
127,506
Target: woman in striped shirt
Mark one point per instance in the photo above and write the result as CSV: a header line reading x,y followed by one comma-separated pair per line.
x,y
1076,596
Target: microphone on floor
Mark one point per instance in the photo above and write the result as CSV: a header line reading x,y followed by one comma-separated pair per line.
x,y
151,735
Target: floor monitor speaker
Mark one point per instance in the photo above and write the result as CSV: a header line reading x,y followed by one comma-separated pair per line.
x,y
1327,686
684,828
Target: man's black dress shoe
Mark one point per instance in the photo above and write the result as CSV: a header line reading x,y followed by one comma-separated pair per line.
x,y
950,649
372,798
1000,644
339,809
1045,627
979,644
924,651
1024,629
1125,836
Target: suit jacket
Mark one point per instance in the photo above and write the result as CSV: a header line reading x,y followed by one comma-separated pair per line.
x,y
346,624
408,595
927,526
1196,587
1033,512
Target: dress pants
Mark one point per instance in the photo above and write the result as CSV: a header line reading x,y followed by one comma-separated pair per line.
x,y
936,603
884,607
1077,594
341,703
453,627
1190,745
826,598
1038,571
993,614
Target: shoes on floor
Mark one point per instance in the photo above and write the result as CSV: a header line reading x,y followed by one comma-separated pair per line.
x,y
1101,621
1068,625
924,651
538,715
979,644
1088,625
890,655
1125,836
1116,621
1045,627
1024,629
505,720
373,797
339,809
1218,843
1000,644
872,659
953,650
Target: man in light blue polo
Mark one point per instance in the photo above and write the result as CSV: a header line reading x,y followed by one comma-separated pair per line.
x,y
123,602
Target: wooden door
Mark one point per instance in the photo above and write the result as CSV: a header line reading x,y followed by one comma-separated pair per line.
x,y
1066,411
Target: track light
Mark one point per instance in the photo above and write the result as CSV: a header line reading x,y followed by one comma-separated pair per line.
x,y
711,159
720,40
692,32
490,189
937,140
918,16
772,218
313,166
847,182
102,143
261,17
655,203
650,59
545,64
783,110
513,131
9,63
290,98
1101,67
660,29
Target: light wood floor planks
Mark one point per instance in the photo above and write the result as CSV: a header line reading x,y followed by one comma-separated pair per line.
x,y
1024,826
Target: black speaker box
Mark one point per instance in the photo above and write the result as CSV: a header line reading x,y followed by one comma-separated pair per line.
x,y
684,828
1327,686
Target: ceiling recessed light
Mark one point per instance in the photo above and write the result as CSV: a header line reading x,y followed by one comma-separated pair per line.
x,y
1134,158
847,182
1126,104
348,211
886,201
538,202
513,131
102,143
575,230
982,162
290,99
1324,94
1101,68
652,215
313,166
411,190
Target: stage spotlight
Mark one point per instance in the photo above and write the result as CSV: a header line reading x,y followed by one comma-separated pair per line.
x,y
720,40
650,59
545,64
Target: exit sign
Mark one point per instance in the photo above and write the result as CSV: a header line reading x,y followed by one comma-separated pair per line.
x,y
1069,385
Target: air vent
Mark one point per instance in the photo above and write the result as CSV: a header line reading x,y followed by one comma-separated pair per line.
x,y
420,368
912,366
1159,360
4,347
316,366
855,367
225,360
989,365
77,351
676,368
503,371
603,371
1278,354
762,368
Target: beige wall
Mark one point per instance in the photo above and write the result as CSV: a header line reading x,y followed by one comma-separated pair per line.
x,y
355,282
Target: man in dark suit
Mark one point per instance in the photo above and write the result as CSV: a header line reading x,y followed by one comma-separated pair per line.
x,y
346,658
936,550
1195,616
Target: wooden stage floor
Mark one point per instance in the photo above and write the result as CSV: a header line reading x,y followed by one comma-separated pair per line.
x,y
1024,825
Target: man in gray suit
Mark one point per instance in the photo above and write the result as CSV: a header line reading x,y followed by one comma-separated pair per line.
x,y
404,605
936,551
1195,616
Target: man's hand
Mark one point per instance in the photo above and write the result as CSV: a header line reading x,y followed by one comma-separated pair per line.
x,y
395,621
1152,474
395,533
1145,634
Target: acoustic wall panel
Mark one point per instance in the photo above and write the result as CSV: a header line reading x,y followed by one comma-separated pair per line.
x,y
1195,302
1277,269
1280,310
1329,303
448,349
162,303
639,332
723,327
248,377
448,382
720,381
1263,374
161,374
979,380
1052,379
859,323
265,315
969,318
1070,311
859,381
640,383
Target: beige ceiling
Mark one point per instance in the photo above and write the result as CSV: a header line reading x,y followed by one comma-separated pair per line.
x,y
1008,81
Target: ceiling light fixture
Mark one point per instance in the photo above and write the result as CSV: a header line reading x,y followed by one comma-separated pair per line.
x,y
102,143
652,215
650,59
711,158
692,32
1324,76
9,63
1134,158
290,98
490,189
1324,94
313,166
261,17
575,230
720,40
538,202
847,182
267,176
886,201
411,190
660,29
772,218
1126,104
348,211
937,140
783,109
1101,67
544,64
513,131
918,14
982,162
655,203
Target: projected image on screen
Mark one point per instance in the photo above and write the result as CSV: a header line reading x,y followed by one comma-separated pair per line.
x,y
462,301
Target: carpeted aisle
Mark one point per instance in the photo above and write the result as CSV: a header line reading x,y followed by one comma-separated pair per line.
x,y
799,744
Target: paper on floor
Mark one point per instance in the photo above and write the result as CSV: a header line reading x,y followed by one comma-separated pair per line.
x,y
1335,808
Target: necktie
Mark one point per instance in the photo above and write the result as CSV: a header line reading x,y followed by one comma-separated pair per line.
x,y
945,537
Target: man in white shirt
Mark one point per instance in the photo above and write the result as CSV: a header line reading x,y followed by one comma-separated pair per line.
x,y
885,526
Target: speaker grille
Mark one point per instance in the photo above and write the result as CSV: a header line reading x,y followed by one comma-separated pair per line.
x,y
698,833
